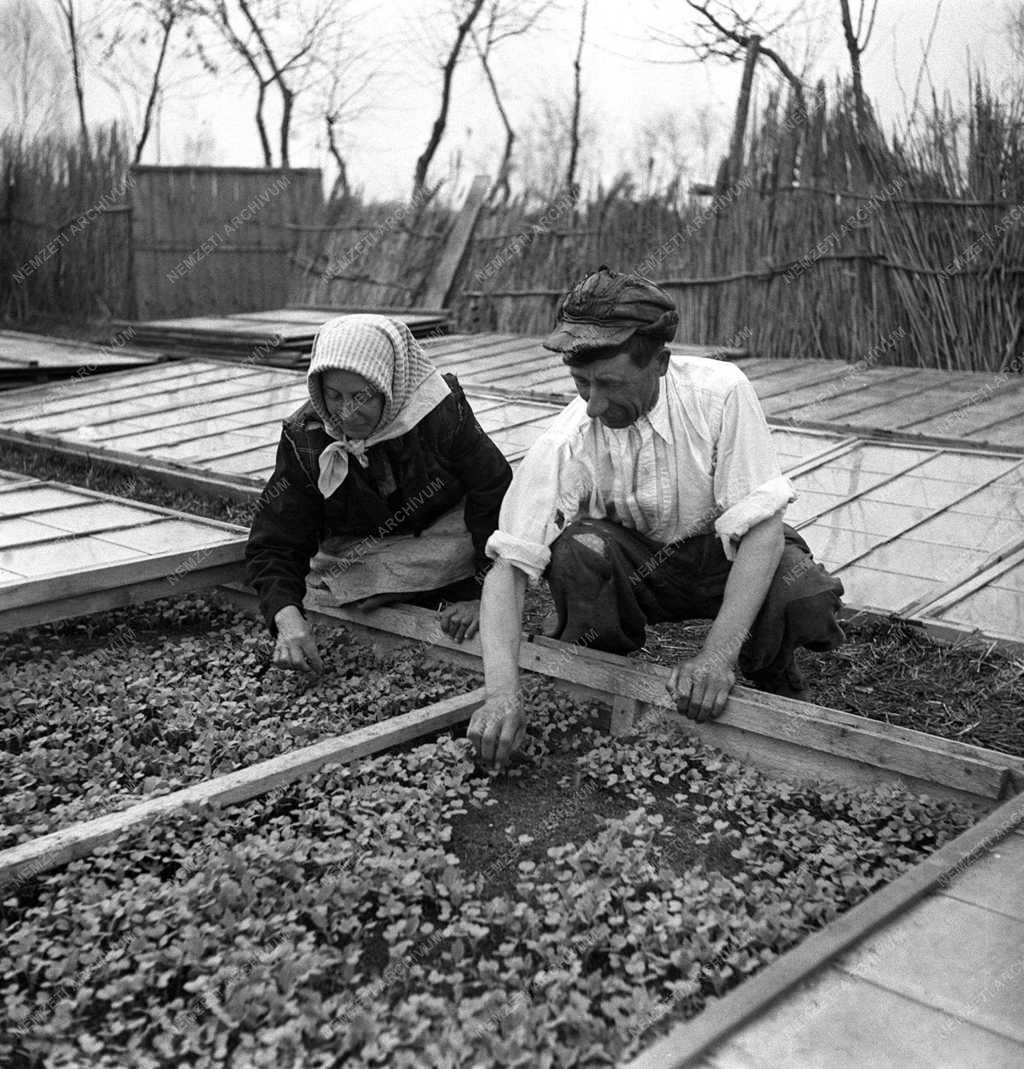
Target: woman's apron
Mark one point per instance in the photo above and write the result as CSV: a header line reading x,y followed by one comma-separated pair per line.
x,y
350,569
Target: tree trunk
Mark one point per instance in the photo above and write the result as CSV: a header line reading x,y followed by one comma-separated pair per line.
x,y
854,48
574,129
342,190
67,9
287,104
742,107
154,89
501,183
447,73
262,126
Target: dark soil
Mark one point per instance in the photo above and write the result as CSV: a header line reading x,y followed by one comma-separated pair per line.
x,y
887,671
549,803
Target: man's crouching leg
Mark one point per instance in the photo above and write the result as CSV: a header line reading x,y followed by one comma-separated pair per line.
x,y
592,562
801,609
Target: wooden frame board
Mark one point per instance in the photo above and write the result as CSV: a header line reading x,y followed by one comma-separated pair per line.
x,y
781,735
30,859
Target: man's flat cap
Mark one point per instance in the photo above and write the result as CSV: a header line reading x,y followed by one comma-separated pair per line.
x,y
609,307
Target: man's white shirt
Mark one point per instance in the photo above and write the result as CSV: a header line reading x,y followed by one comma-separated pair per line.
x,y
702,459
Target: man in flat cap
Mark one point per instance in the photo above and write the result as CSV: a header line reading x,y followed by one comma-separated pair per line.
x,y
656,495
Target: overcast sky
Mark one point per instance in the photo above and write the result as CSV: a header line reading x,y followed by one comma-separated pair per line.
x,y
624,88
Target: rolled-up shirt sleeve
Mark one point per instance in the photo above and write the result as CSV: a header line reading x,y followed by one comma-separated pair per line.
x,y
749,485
549,489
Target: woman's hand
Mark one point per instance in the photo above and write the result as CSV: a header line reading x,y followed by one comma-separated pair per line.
x,y
460,620
295,647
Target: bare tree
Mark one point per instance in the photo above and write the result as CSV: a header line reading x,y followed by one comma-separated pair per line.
x,y
72,27
33,80
855,46
722,31
447,74
341,100
503,22
577,100
278,46
1015,29
130,64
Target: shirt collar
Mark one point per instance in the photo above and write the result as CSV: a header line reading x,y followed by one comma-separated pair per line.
x,y
658,415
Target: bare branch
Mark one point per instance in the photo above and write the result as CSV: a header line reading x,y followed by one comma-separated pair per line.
x,y
447,74
574,128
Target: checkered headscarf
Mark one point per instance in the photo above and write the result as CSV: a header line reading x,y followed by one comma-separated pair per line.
x,y
384,352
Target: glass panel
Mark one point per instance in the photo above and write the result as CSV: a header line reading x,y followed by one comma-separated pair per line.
x,y
882,518
1010,432
907,556
37,497
970,531
993,501
833,547
887,458
809,504
966,468
841,481
58,404
14,533
1013,579
94,517
913,490
993,610
61,558
215,445
169,536
870,589
257,460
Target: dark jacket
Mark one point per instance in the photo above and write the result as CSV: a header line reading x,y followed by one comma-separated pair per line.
x,y
410,482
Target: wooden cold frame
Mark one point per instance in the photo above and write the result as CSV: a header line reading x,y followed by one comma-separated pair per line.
x,y
827,734
130,581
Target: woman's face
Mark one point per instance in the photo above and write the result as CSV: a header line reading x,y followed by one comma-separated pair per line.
x,y
352,402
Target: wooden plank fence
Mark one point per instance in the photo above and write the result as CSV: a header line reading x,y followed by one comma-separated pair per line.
x,y
218,239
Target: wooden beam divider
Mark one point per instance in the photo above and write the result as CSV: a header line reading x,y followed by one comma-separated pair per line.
x,y
30,859
780,735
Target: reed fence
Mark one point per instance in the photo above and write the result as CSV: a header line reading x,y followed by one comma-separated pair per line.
x,y
831,244
65,228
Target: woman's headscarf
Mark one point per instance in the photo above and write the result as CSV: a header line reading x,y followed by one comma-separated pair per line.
x,y
384,352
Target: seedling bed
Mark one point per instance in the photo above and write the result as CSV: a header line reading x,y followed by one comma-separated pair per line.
x,y
413,910
97,714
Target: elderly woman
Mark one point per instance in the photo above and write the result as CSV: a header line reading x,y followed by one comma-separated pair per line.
x,y
385,489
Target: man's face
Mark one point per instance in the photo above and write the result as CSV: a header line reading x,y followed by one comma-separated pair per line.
x,y
618,392
352,401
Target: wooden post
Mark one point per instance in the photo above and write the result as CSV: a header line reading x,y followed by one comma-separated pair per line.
x,y
742,107
438,286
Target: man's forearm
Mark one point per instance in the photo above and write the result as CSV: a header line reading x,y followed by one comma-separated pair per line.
x,y
757,559
501,620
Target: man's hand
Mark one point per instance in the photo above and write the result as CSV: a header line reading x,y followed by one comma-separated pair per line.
x,y
460,620
700,687
497,728
295,647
